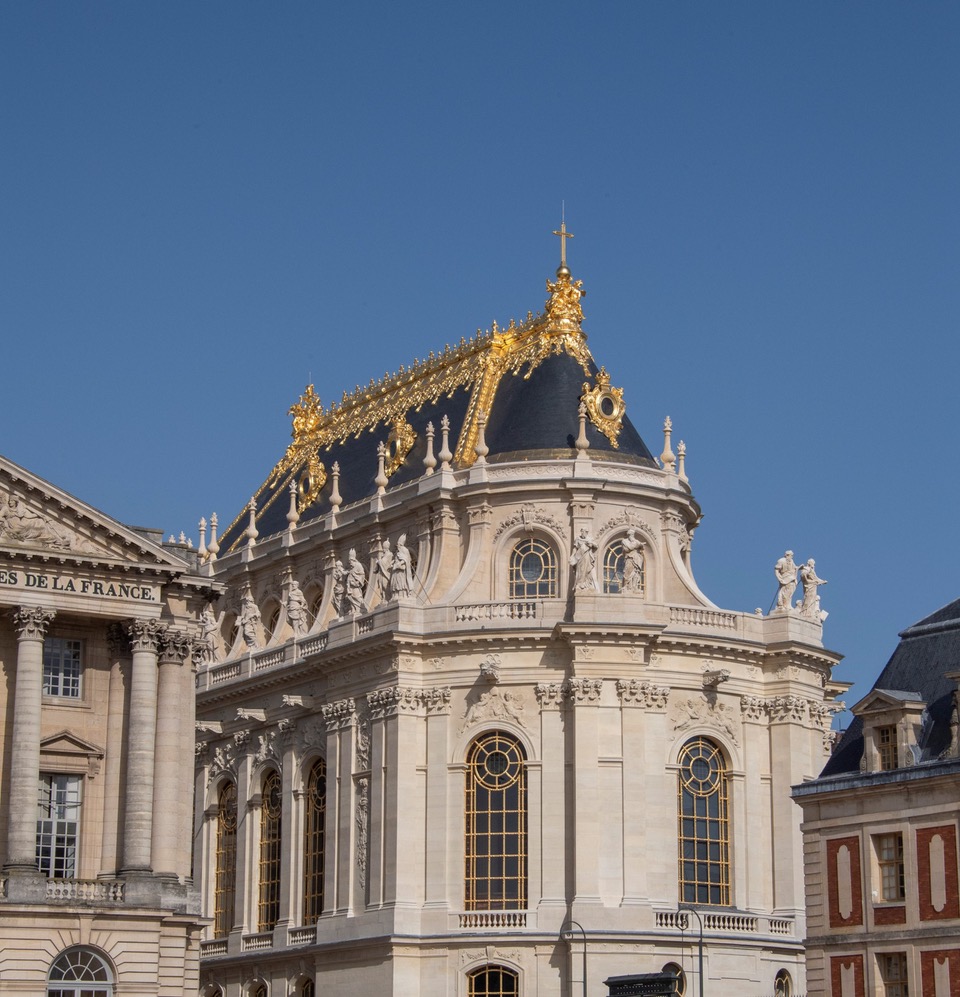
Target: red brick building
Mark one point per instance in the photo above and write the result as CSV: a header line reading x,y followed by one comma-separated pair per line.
x,y
880,831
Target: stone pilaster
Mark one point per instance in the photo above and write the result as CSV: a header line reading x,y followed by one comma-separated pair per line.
x,y
144,638
31,625
113,762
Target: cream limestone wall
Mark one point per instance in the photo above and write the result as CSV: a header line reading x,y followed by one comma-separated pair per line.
x,y
68,571
601,689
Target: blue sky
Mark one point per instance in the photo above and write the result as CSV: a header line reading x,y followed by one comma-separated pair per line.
x,y
207,205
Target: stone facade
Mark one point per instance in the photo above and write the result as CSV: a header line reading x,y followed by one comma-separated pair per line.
x,y
880,830
97,748
486,745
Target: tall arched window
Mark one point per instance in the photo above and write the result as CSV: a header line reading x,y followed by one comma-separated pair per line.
x,y
225,884
673,967
493,981
496,824
79,973
271,799
703,804
314,832
533,570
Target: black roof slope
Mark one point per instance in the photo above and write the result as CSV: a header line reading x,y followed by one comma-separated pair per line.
x,y
927,651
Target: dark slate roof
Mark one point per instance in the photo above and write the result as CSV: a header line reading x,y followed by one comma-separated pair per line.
x,y
926,653
529,378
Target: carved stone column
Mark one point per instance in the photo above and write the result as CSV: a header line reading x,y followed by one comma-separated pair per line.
x,y
169,764
141,747
21,808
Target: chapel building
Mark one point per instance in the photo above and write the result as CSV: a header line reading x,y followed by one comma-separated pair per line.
x,y
468,726
880,829
97,738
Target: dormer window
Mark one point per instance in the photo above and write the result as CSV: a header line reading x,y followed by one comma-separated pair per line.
x,y
887,748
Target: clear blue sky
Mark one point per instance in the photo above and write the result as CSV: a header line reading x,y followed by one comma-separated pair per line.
x,y
206,205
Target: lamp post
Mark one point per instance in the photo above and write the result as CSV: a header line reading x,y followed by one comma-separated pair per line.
x,y
685,908
577,924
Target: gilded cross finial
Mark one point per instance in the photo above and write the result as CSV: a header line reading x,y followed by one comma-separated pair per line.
x,y
564,235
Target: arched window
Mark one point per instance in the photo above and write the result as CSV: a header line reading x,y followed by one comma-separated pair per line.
x,y
314,831
623,566
782,984
79,973
271,799
703,805
258,990
496,824
315,597
493,981
273,618
225,884
672,967
533,570
307,989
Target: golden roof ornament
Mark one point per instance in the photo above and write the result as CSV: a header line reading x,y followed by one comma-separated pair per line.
x,y
605,406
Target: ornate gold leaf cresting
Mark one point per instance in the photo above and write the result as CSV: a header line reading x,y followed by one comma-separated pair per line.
x,y
310,485
605,406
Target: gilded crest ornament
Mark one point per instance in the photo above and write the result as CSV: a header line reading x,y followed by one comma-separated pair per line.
x,y
311,483
307,414
399,444
605,406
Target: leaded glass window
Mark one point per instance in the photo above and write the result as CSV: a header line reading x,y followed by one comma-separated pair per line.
x,y
533,570
268,908
493,981
703,811
58,825
225,888
314,834
496,824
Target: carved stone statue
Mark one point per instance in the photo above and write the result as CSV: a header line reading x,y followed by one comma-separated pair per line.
x,y
584,561
20,525
356,579
249,620
786,571
401,574
208,634
811,603
339,585
297,609
381,571
632,562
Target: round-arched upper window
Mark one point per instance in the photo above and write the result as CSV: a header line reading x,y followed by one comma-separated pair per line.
x,y
79,972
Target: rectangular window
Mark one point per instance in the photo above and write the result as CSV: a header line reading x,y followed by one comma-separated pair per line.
x,y
893,973
887,748
889,848
58,825
61,667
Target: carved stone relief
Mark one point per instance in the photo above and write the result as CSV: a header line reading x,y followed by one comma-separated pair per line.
x,y
528,516
362,820
496,704
690,713
646,694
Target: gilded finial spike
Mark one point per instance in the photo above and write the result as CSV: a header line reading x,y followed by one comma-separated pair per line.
x,y
564,235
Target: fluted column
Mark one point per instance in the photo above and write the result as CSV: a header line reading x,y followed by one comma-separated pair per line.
x,y
31,624
169,763
145,638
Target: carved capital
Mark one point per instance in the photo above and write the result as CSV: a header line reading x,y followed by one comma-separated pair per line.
x,y
32,622
339,715
788,709
585,690
437,701
391,702
175,647
754,707
551,695
145,635
633,692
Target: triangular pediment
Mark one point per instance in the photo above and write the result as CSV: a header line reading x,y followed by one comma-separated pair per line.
x,y
39,519
881,700
65,742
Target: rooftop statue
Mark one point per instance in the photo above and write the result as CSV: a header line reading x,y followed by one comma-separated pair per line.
x,y
786,571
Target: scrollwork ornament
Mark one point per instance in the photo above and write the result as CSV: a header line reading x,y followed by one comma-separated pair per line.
x,y
605,406
399,444
312,479
339,715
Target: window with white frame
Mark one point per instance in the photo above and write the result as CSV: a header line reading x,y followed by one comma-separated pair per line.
x,y
58,825
889,852
79,973
61,667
